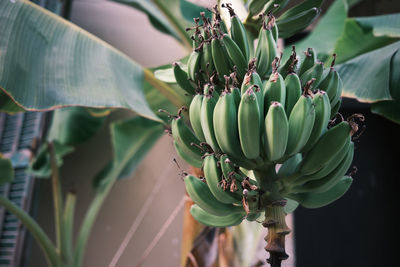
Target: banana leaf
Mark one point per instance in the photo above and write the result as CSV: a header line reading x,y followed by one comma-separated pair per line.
x,y
47,62
6,170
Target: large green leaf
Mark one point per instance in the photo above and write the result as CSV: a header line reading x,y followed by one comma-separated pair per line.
x,y
388,109
74,125
6,170
366,77
156,17
325,33
47,62
357,39
131,140
40,167
384,25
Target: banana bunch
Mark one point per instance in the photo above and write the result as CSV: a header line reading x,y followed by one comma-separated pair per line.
x,y
250,115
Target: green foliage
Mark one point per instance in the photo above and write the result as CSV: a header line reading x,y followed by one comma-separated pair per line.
x,y
33,56
6,171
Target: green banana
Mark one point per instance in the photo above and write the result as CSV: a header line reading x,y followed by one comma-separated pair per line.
x,y
202,196
308,62
290,65
221,63
206,117
236,56
266,51
214,180
301,120
316,200
207,63
238,32
336,108
193,64
225,121
322,117
194,116
228,168
251,78
193,161
251,217
327,146
276,132
249,126
329,166
327,182
184,138
330,84
182,79
293,91
338,93
206,218
274,90
294,24
289,166
315,72
303,6
271,5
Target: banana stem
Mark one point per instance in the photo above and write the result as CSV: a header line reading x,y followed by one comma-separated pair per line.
x,y
164,89
277,230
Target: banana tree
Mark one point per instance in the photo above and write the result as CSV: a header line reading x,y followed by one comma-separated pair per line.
x,y
40,45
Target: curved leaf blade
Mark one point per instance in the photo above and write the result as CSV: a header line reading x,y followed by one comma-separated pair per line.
x,y
388,109
47,62
366,77
384,25
131,140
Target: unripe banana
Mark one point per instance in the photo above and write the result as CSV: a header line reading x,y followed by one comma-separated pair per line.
x,y
290,65
315,72
338,93
294,24
251,217
289,166
249,126
322,117
236,56
275,90
303,6
202,196
194,116
238,33
327,182
206,218
271,5
314,200
266,51
308,62
221,62
293,91
329,166
276,132
225,120
330,84
327,146
253,80
336,108
193,161
184,138
207,63
227,169
182,79
193,64
206,117
214,180
301,120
